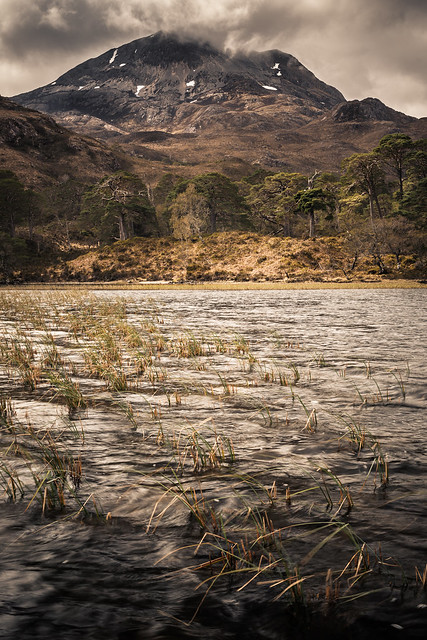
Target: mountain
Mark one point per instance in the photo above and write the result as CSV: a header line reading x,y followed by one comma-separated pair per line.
x,y
163,82
40,151
184,102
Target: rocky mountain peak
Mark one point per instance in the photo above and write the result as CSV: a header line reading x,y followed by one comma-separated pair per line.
x,y
165,82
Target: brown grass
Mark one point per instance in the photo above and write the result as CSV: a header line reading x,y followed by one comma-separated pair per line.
x,y
227,257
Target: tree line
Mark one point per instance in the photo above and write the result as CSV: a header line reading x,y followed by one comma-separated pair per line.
x,y
378,201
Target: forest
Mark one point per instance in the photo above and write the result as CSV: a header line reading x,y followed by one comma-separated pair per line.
x,y
377,203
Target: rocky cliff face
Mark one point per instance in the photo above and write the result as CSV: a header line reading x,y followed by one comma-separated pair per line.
x,y
164,83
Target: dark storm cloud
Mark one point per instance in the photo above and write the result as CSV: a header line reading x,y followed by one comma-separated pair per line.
x,y
363,47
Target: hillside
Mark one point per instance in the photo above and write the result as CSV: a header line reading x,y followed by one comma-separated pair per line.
x,y
228,256
40,151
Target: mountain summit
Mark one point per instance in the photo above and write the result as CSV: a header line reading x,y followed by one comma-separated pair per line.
x,y
184,102
164,82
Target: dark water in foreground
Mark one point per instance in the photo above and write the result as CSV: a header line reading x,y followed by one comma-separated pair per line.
x,y
354,357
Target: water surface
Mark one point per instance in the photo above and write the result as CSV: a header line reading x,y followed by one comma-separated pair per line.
x,y
353,357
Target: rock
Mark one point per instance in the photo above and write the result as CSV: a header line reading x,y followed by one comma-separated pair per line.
x,y
151,83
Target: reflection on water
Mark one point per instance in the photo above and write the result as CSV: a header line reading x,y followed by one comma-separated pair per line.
x,y
299,381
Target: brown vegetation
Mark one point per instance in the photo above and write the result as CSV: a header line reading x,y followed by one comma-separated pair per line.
x,y
238,256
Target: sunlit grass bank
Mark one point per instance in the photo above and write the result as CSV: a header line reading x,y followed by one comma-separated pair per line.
x,y
223,286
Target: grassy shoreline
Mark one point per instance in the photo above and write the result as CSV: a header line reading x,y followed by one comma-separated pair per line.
x,y
223,285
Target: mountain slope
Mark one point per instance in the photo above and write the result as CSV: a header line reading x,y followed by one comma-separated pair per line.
x,y
184,104
40,151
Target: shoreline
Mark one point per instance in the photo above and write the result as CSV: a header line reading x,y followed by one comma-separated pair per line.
x,y
219,285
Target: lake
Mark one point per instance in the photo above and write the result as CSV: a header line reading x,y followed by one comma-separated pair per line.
x,y
234,464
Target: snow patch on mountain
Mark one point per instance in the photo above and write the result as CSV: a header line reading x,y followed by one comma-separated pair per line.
x,y
114,56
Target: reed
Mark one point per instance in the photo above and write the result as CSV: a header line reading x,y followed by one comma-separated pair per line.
x,y
295,372
68,391
11,483
7,412
311,422
319,359
399,379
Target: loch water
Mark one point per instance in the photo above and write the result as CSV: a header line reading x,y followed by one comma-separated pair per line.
x,y
355,365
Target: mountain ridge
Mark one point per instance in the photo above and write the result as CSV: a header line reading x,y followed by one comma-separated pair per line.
x,y
193,105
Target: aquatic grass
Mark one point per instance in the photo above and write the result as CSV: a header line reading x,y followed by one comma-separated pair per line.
x,y
363,399
271,374
360,438
50,357
240,344
262,409
127,409
117,379
311,422
319,359
219,344
344,492
356,433
228,388
295,372
207,455
421,577
51,479
18,353
206,452
142,361
131,336
379,465
67,390
11,483
7,411
398,377
263,558
187,345
380,397
298,561
55,473
368,368
198,506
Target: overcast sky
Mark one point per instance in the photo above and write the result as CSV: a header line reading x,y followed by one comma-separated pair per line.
x,y
364,48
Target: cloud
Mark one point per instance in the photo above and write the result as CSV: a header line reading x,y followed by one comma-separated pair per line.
x,y
363,47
